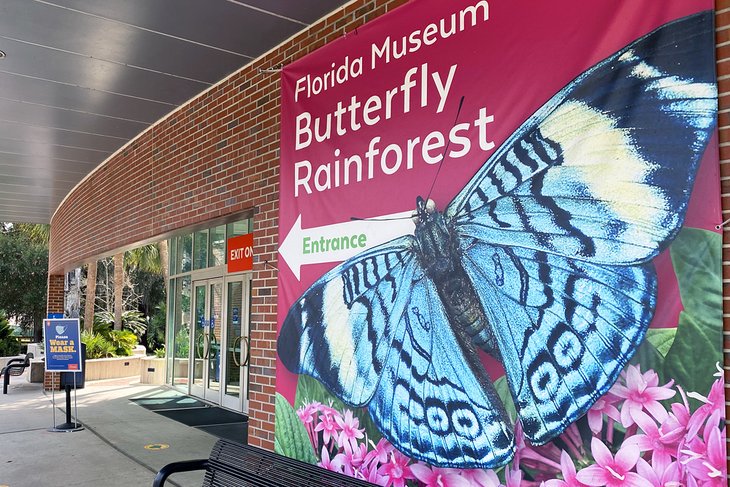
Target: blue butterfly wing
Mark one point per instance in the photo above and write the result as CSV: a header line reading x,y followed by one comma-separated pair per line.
x,y
565,328
340,331
603,171
374,332
558,226
434,400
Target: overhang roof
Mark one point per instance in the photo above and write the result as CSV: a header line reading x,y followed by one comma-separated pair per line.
x,y
81,78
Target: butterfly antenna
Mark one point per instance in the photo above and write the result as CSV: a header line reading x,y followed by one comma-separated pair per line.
x,y
357,218
446,149
443,156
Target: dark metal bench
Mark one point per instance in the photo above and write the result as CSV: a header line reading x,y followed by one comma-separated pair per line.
x,y
233,464
15,367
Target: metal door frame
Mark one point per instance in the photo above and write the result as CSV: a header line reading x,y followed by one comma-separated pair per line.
x,y
204,392
239,403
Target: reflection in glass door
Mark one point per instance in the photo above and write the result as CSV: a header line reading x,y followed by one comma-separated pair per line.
x,y
200,338
215,326
236,361
206,339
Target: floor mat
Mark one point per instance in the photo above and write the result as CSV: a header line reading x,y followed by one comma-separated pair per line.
x,y
203,416
237,432
178,402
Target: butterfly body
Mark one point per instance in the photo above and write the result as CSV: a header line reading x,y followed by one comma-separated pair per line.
x,y
543,260
439,252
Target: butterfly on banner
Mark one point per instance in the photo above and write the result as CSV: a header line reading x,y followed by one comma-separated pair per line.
x,y
543,261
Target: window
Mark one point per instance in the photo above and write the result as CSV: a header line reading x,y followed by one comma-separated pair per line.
x,y
200,250
217,246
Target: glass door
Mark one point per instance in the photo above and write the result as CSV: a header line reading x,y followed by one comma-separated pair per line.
x,y
238,343
215,334
205,339
199,349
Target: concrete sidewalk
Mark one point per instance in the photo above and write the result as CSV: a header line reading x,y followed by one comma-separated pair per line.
x,y
109,452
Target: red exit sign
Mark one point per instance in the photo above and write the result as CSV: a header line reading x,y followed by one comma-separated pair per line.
x,y
240,253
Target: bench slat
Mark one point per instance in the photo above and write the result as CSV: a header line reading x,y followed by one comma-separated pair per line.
x,y
232,464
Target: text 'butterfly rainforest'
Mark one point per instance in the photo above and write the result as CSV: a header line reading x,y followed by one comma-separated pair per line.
x,y
543,261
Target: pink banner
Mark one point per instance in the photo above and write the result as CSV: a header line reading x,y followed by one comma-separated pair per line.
x,y
559,160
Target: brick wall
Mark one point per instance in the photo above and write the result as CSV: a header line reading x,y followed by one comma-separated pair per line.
x,y
215,156
219,155
55,296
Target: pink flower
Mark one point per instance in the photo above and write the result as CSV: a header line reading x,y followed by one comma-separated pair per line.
x,y
533,457
481,478
642,392
567,469
307,413
355,458
349,432
328,426
380,452
397,470
604,405
716,457
715,400
705,460
612,472
438,477
336,464
659,475
373,476
652,439
513,477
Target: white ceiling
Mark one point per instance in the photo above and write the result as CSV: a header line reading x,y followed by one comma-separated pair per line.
x,y
82,77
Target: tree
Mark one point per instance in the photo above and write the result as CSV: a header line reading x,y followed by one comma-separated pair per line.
x,y
9,344
90,295
145,258
118,290
23,275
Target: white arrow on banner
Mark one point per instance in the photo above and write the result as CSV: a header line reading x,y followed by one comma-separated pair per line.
x,y
340,241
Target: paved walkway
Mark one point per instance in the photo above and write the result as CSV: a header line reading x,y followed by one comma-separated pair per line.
x,y
109,452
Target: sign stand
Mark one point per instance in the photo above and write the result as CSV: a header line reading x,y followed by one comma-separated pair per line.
x,y
69,426
63,354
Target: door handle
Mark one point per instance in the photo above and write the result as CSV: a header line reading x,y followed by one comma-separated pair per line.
x,y
199,346
212,342
248,352
236,342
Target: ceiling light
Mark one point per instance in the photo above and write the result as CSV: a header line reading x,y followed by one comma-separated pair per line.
x,y
2,54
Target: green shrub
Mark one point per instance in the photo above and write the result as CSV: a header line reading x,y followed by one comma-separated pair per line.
x,y
160,352
9,344
182,342
97,346
123,342
133,321
104,341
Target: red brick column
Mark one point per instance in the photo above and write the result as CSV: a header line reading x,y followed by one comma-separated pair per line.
x,y
54,304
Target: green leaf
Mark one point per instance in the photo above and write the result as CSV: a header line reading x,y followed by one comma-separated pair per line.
x,y
692,358
661,339
291,437
310,390
648,357
505,395
697,256
697,259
